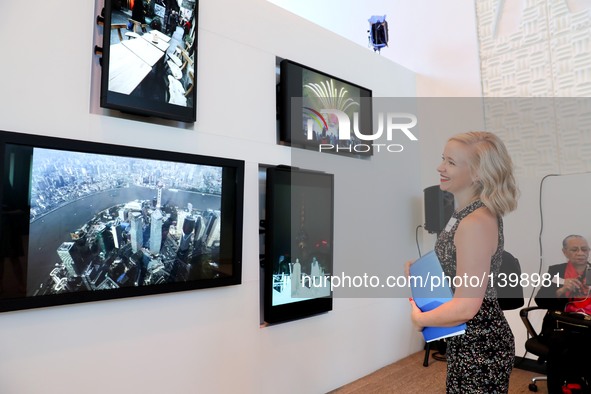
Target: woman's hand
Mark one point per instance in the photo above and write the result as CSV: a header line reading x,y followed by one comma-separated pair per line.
x,y
415,315
407,267
415,311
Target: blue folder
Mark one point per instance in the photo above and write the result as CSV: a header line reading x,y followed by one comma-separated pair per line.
x,y
428,297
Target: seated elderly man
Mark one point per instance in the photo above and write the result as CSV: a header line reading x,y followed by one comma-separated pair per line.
x,y
568,348
571,287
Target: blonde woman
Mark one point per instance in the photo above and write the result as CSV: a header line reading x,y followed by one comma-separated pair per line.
x,y
477,170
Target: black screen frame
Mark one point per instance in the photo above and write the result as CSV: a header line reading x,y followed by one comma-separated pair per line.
x,y
231,234
281,176
138,105
291,86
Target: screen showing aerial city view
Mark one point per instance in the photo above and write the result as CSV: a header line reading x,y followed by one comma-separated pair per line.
x,y
100,222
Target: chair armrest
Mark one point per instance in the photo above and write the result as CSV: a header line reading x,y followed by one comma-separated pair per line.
x,y
523,313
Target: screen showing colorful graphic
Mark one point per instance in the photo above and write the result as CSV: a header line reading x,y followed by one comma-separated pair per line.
x,y
322,92
310,103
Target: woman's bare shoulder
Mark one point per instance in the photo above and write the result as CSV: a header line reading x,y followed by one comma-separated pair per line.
x,y
481,218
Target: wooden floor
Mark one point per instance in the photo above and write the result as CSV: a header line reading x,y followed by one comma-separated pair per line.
x,y
409,376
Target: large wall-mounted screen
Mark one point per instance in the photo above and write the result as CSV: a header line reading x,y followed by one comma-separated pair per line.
x,y
85,221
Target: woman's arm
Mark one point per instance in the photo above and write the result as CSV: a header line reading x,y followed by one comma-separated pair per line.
x,y
476,242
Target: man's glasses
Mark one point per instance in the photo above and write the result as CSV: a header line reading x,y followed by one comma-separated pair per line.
x,y
584,249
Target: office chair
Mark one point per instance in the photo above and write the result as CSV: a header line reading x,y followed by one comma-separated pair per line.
x,y
577,328
534,345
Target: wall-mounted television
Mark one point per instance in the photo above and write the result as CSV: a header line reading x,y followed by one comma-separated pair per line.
x,y
298,244
84,221
303,95
149,63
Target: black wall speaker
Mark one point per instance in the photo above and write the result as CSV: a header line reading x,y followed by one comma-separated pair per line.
x,y
439,206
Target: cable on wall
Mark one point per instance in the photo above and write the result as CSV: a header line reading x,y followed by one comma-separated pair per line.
x,y
417,238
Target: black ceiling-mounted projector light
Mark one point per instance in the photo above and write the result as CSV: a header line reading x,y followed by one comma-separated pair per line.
x,y
378,32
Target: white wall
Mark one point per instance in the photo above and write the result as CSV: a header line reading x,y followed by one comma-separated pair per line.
x,y
207,340
436,39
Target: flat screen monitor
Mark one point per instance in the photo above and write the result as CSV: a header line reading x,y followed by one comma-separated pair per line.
x,y
298,244
149,63
305,93
84,221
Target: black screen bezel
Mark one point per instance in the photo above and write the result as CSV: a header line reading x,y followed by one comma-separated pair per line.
x,y
138,106
232,218
281,176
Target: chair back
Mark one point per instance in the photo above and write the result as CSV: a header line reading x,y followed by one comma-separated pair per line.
x,y
510,297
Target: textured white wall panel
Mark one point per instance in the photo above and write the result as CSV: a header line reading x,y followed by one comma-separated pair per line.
x,y
570,55
527,126
563,19
549,55
573,122
528,25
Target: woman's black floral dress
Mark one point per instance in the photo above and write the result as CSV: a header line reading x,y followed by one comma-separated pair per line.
x,y
479,361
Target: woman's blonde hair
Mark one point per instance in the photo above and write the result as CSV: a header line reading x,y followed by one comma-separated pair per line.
x,y
491,163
